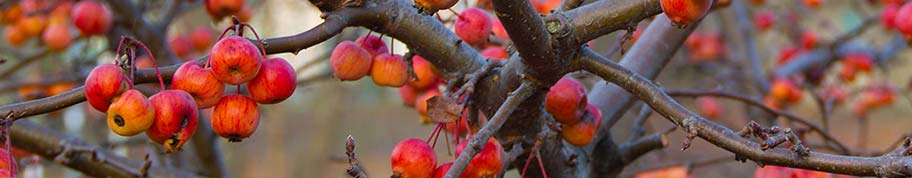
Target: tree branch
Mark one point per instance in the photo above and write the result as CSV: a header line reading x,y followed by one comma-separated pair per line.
x,y
605,16
524,90
632,150
532,40
22,63
652,94
79,155
813,126
613,100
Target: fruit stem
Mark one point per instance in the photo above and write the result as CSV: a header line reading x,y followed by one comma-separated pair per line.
x,y
239,89
446,138
262,49
392,45
119,45
132,59
526,166
161,81
541,166
456,14
365,38
434,132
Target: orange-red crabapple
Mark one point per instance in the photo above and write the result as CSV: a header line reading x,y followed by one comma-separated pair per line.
x,y
176,118
581,133
424,70
235,60
235,117
808,40
413,158
764,20
373,44
432,6
199,82
545,6
488,161
495,52
709,107
91,17
350,61
389,70
32,25
202,38
408,95
566,100
274,83
219,9
685,12
104,83
888,16
130,114
473,26
499,30
14,35
181,46
441,170
57,37
903,20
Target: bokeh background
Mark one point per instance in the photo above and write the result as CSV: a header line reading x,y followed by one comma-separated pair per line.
x,y
305,135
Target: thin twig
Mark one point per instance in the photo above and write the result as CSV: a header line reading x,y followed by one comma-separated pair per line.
x,y
356,170
23,63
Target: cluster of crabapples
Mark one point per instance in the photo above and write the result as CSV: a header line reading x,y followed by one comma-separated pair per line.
x,y
170,116
51,21
419,81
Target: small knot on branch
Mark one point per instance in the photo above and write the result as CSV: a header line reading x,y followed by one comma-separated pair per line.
x,y
774,136
691,134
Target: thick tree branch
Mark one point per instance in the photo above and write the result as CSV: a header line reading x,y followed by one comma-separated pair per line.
x,y
532,40
475,145
605,16
333,24
652,94
79,155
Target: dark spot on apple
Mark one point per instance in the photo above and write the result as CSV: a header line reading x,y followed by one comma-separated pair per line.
x,y
234,138
235,70
174,141
119,121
